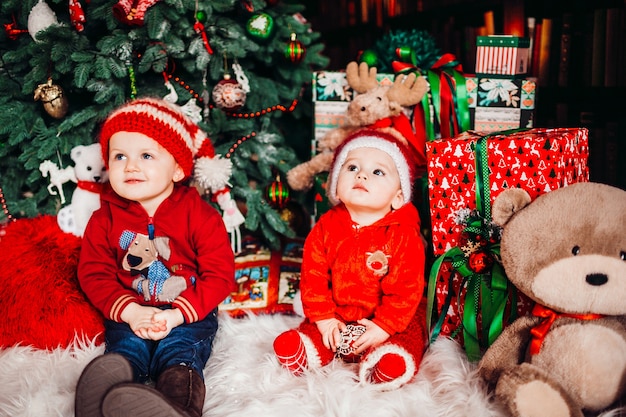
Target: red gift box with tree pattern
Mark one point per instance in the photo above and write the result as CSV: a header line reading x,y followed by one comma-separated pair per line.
x,y
537,160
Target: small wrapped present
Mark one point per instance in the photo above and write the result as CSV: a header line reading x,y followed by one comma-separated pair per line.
x,y
267,280
497,104
502,55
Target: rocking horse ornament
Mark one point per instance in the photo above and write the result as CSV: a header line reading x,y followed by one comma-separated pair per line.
x,y
58,177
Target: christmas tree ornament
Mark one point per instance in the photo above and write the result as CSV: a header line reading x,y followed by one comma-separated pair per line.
x,y
192,110
172,96
295,216
58,177
369,57
12,31
232,217
53,97
41,17
247,6
200,14
132,12
77,15
199,28
260,26
228,94
241,77
295,50
277,193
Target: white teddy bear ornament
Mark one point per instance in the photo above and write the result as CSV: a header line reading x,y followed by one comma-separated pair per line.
x,y
90,174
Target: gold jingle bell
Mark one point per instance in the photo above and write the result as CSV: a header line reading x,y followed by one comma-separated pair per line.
x,y
53,98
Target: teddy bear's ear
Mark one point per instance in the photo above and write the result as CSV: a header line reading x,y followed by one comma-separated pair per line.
x,y
76,151
507,204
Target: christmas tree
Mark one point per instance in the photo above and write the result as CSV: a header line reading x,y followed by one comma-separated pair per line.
x,y
242,68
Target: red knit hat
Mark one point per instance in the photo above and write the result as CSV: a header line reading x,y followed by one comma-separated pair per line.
x,y
184,140
402,157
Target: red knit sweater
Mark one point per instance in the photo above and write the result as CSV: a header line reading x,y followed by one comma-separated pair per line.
x,y
199,249
374,272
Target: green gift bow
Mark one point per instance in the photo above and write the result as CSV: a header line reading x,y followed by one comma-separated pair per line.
x,y
485,291
447,83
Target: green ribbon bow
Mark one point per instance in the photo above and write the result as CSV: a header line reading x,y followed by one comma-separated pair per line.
x,y
487,291
448,91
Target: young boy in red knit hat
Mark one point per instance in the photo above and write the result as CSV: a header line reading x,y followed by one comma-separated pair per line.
x,y
156,260
362,277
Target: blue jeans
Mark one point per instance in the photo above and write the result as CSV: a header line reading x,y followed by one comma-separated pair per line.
x,y
189,344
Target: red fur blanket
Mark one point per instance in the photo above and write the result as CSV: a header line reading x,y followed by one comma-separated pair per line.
x,y
42,304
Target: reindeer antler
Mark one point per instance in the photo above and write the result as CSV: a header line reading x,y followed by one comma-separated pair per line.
x,y
409,90
360,77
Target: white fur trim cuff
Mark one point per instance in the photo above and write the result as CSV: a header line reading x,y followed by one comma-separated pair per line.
x,y
312,357
366,367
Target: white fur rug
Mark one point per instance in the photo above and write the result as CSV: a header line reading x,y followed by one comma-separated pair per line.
x,y
243,379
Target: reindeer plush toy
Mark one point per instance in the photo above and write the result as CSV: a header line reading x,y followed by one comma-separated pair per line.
x,y
376,106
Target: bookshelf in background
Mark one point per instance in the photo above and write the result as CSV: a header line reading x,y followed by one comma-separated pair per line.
x,y
577,84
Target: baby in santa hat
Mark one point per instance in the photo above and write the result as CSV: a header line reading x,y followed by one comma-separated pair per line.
x,y
362,278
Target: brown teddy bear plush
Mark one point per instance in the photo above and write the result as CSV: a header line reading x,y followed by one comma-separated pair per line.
x,y
567,251
375,106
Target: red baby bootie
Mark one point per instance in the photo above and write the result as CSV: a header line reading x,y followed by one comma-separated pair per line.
x,y
389,367
290,351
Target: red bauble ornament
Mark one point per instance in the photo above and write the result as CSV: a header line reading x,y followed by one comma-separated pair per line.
x,y
295,50
228,94
277,194
480,262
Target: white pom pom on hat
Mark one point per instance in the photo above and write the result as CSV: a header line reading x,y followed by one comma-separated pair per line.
x,y
171,128
399,153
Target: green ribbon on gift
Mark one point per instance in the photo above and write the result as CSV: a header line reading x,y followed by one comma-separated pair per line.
x,y
487,291
447,89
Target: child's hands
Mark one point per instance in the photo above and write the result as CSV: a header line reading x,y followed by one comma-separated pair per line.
x,y
141,320
172,318
372,337
331,332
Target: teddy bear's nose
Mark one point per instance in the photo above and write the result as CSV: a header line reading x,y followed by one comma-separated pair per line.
x,y
597,279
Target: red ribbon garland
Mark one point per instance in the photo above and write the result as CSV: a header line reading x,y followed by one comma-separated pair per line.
x,y
540,331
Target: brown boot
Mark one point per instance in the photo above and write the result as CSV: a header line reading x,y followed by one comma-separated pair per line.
x,y
179,393
97,378
184,387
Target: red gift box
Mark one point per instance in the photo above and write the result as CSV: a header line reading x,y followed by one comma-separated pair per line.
x,y
536,160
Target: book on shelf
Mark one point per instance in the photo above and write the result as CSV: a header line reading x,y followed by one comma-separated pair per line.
x,y
565,49
598,47
612,46
534,68
543,63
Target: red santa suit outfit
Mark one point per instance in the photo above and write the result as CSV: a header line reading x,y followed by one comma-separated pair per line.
x,y
351,272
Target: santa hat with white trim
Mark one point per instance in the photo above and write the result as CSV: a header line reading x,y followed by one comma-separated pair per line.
x,y
165,123
401,155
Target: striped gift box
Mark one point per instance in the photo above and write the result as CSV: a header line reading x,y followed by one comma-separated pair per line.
x,y
502,55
